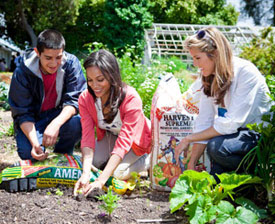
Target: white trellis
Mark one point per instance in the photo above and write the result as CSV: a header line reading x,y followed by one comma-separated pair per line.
x,y
167,39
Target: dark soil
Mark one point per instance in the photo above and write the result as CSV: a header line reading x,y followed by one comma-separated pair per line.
x,y
45,206
48,206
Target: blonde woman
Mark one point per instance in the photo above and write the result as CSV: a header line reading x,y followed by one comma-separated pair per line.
x,y
234,94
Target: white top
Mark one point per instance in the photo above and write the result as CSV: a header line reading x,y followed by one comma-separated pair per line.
x,y
114,126
246,101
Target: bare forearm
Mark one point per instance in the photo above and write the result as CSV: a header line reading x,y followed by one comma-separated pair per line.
x,y
112,164
66,113
203,135
87,156
197,151
29,130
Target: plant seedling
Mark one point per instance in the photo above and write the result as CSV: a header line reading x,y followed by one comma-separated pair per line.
x,y
110,201
59,192
135,177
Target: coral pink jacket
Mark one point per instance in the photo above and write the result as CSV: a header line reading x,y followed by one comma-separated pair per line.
x,y
135,132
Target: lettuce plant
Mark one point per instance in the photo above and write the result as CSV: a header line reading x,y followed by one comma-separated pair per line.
x,y
204,198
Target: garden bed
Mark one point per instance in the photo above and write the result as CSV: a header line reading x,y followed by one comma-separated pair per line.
x,y
48,206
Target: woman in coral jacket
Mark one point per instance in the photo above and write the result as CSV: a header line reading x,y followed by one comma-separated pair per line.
x,y
114,110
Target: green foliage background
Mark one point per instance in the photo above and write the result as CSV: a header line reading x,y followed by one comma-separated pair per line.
x,y
115,23
194,12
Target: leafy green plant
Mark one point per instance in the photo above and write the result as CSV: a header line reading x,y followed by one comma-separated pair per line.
x,y
10,131
4,89
110,201
126,20
145,79
59,192
262,157
194,12
140,184
261,52
204,198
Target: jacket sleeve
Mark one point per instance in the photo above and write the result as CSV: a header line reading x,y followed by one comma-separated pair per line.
x,y
242,101
132,113
205,119
75,83
21,98
87,122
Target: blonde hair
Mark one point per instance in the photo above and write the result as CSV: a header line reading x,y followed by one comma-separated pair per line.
x,y
216,46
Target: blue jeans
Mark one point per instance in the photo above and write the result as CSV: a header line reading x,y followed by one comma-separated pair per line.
x,y
227,151
69,134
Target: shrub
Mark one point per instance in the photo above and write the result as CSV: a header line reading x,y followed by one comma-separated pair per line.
x,y
261,53
4,89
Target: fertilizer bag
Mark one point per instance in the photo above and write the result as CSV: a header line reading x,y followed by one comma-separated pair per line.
x,y
64,169
172,116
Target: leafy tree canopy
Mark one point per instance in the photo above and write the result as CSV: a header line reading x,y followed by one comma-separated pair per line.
x,y
115,23
86,28
26,18
194,12
125,21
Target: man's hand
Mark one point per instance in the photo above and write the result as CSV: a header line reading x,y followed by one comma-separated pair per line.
x,y
51,134
38,154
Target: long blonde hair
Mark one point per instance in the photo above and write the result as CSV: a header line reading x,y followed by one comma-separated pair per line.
x,y
216,46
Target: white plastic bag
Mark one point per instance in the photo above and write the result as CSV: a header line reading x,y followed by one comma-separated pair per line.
x,y
172,117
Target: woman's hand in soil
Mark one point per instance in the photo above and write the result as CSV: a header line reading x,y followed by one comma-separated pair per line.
x,y
82,183
96,184
38,154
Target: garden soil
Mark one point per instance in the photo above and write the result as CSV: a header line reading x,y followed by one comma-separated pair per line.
x,y
48,206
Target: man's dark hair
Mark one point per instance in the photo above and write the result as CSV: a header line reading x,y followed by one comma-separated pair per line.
x,y
50,39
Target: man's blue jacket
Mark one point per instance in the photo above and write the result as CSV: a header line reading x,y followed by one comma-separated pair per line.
x,y
26,92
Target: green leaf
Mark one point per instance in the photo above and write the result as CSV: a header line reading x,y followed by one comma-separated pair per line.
x,y
201,211
233,180
228,215
196,177
225,211
244,216
248,204
109,201
180,193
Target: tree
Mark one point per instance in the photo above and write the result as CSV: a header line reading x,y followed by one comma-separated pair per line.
x,y
86,27
194,12
262,11
124,24
26,18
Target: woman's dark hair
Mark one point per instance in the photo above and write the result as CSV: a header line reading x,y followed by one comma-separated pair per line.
x,y
50,39
106,62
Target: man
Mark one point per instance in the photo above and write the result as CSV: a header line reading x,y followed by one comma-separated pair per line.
x,y
43,97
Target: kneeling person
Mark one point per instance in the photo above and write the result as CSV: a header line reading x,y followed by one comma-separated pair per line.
x,y
123,134
43,97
